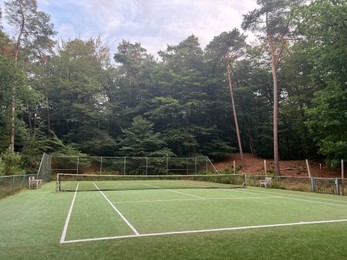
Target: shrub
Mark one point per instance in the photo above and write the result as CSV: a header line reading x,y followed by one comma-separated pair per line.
x,y
11,163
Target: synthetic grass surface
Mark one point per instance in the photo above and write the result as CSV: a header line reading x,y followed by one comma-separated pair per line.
x,y
31,224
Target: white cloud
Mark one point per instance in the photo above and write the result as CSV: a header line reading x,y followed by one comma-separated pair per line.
x,y
153,23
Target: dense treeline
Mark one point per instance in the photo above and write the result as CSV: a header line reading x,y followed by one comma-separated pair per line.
x,y
75,97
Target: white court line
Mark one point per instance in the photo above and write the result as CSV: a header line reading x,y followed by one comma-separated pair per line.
x,y
207,230
197,199
280,195
191,195
119,213
63,235
301,196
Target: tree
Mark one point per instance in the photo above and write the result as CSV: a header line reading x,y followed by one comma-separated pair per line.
x,y
76,96
33,28
227,47
273,18
327,122
183,92
140,140
322,25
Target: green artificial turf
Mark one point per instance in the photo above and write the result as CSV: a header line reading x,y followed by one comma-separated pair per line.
x,y
32,222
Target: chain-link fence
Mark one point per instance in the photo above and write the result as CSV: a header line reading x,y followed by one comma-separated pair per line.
x,y
44,171
131,165
13,183
314,184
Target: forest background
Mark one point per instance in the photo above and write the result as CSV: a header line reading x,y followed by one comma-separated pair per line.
x,y
75,97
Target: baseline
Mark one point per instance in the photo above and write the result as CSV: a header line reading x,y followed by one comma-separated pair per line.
x,y
207,230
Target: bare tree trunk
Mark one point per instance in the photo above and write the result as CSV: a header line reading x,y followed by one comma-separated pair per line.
x,y
275,104
275,118
49,129
235,118
13,105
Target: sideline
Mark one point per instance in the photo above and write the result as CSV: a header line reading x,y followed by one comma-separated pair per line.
x,y
63,235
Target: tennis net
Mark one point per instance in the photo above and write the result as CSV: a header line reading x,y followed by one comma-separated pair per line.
x,y
88,182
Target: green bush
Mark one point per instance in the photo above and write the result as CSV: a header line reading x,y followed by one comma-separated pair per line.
x,y
2,167
11,163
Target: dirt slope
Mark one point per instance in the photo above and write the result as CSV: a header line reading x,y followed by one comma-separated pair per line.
x,y
255,165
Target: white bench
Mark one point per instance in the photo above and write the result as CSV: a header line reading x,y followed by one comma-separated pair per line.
x,y
266,182
34,183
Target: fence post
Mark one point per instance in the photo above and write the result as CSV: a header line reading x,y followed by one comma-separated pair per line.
x,y
195,165
308,168
343,178
187,167
124,165
100,164
206,163
13,183
309,175
78,164
146,165
234,166
312,184
265,167
167,165
337,186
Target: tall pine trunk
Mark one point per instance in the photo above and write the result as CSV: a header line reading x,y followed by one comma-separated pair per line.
x,y
275,101
235,117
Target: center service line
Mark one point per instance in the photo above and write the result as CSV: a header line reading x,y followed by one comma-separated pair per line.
x,y
119,213
178,192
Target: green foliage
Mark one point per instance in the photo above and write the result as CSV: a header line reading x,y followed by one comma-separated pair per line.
x,y
11,163
2,167
75,101
217,149
140,140
327,122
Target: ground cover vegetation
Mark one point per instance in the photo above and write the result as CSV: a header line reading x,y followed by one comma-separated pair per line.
x,y
75,97
32,225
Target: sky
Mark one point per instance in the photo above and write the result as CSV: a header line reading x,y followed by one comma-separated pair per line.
x,y
153,23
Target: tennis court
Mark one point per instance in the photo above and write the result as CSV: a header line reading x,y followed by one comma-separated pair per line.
x,y
127,209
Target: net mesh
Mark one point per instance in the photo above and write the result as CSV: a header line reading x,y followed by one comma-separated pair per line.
x,y
86,182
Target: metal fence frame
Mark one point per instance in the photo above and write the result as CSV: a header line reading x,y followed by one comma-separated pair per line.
x,y
127,165
336,186
13,183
